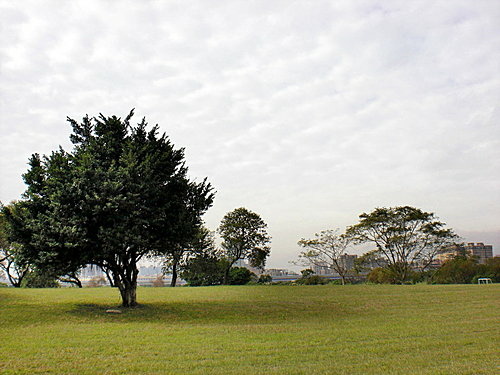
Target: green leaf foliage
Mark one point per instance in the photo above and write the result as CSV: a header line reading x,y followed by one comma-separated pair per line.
x,y
37,279
312,280
244,235
12,263
121,194
203,269
463,269
405,236
178,257
241,276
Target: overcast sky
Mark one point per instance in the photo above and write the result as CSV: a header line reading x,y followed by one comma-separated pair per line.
x,y
306,112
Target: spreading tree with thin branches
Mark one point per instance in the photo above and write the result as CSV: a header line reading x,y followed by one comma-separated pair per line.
x,y
405,236
327,248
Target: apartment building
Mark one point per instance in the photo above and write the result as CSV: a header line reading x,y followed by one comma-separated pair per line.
x,y
347,260
481,251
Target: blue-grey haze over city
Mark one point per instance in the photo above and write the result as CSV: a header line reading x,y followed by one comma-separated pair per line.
x,y
306,112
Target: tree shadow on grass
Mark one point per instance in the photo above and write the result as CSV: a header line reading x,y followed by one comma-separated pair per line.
x,y
227,312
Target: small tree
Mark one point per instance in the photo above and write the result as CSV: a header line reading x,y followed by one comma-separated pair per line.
x,y
406,237
492,269
12,265
177,257
328,248
465,269
204,269
265,279
11,262
244,235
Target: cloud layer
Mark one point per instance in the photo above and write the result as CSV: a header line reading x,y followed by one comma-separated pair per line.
x,y
308,113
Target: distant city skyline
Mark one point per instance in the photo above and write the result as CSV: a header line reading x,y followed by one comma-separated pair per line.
x,y
308,113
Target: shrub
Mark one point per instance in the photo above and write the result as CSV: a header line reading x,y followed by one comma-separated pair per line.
x,y
459,270
39,280
240,276
492,271
312,280
381,275
420,276
265,279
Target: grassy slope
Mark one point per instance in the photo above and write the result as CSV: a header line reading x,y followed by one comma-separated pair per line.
x,y
358,329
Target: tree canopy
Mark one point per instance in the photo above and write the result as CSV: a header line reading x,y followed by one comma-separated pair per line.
x,y
121,194
405,236
465,269
244,236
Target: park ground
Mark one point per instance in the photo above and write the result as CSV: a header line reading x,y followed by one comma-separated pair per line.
x,y
327,329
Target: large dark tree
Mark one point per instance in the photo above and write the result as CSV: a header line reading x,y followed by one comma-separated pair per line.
x,y
121,194
244,236
405,236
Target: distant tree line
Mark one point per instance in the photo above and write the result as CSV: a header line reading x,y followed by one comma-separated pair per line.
x,y
407,241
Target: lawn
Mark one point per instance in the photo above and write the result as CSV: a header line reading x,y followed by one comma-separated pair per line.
x,y
352,329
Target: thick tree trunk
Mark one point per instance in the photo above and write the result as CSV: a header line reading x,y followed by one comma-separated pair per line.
x,y
125,278
129,295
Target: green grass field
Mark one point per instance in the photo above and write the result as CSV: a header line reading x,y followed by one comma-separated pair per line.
x,y
352,329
